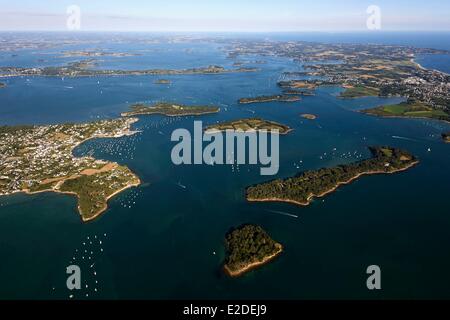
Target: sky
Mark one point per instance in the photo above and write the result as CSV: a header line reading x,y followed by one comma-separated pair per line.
x,y
224,15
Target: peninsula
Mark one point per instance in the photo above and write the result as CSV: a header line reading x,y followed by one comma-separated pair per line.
x,y
37,159
304,187
249,247
278,97
100,53
251,124
169,109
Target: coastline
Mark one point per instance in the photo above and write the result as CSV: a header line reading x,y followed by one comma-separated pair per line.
x,y
127,132
312,196
423,68
253,265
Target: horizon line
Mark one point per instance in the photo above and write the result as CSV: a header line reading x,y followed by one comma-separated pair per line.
x,y
228,31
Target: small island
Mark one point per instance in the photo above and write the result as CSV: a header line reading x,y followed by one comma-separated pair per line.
x,y
446,136
169,109
301,189
2,85
38,159
162,81
309,116
249,247
278,97
252,124
409,109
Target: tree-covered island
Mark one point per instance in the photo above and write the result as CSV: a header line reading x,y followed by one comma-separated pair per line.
x,y
162,81
249,247
302,188
252,124
169,109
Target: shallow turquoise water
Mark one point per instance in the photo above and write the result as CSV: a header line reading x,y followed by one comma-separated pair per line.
x,y
158,240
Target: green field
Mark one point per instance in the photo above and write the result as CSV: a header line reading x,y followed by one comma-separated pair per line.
x,y
359,91
409,109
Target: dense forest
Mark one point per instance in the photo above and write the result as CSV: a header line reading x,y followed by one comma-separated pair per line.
x,y
301,188
248,244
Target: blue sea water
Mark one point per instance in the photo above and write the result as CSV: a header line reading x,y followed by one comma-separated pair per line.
x,y
165,239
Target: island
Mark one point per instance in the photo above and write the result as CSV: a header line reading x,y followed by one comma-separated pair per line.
x,y
359,91
2,85
304,187
169,109
37,159
446,136
251,124
249,247
278,97
309,116
84,69
162,81
409,109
